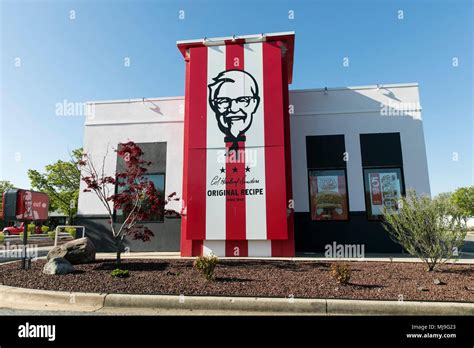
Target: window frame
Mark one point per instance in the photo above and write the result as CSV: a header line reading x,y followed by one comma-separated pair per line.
x,y
347,193
162,220
370,216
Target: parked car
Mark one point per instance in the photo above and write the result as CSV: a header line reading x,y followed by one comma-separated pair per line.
x,y
18,228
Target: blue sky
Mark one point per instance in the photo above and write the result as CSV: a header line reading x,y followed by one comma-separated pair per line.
x,y
83,59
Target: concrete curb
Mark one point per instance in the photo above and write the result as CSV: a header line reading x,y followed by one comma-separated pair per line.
x,y
249,304
22,298
374,307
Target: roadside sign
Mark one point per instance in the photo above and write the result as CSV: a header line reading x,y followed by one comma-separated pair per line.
x,y
25,205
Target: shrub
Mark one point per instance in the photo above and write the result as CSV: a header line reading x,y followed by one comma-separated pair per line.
x,y
206,265
52,234
120,273
430,229
341,272
31,228
71,231
2,237
44,229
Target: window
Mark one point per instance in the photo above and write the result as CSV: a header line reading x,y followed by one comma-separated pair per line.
x,y
381,150
155,153
325,156
382,162
328,194
159,182
383,188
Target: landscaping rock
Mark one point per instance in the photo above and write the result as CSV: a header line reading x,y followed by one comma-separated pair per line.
x,y
422,289
58,265
57,251
438,282
76,252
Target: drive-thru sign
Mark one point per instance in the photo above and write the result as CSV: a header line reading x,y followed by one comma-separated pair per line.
x,y
25,205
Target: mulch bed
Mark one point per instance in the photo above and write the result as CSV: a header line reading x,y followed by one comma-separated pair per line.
x,y
262,278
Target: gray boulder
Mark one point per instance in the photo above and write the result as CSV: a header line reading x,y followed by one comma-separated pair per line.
x,y
76,252
58,265
57,251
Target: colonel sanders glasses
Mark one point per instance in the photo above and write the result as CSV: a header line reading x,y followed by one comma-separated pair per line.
x,y
225,103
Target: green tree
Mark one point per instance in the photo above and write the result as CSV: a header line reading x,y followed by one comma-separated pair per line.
x,y
61,182
463,197
4,185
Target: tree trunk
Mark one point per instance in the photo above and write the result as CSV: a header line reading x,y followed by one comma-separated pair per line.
x,y
119,252
431,266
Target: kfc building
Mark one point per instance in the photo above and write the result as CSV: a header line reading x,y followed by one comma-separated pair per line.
x,y
263,170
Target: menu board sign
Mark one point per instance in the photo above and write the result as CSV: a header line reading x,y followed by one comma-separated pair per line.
x,y
328,195
385,191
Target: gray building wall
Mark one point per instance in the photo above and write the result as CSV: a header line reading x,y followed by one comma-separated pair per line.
x,y
167,234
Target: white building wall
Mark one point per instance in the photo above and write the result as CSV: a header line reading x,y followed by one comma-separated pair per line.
x,y
352,111
152,120
349,111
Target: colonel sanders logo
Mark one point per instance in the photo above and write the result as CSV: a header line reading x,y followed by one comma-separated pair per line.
x,y
233,96
29,213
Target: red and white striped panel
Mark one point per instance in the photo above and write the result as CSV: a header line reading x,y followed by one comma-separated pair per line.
x,y
258,209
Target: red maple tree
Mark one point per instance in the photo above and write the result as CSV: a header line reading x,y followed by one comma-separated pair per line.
x,y
136,196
